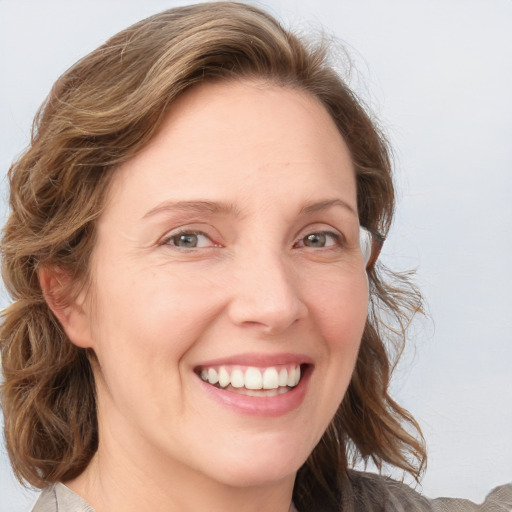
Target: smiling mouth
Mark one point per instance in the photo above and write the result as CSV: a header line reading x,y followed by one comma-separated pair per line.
x,y
253,381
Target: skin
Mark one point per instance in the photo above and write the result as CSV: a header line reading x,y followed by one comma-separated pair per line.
x,y
253,286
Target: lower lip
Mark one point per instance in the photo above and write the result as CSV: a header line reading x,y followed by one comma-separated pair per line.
x,y
266,406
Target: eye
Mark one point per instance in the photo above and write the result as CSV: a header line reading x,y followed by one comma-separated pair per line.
x,y
189,240
319,240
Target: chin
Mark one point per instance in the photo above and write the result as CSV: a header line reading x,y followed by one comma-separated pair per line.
x,y
262,466
254,476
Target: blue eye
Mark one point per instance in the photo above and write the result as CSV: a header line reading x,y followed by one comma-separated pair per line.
x,y
189,240
319,240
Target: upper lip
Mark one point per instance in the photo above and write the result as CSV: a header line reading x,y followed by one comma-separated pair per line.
x,y
258,360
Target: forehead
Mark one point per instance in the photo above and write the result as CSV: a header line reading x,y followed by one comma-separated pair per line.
x,y
228,138
236,111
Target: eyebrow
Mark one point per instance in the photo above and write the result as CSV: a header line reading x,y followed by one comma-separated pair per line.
x,y
318,206
210,207
220,208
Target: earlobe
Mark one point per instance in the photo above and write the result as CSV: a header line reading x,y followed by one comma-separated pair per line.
x,y
69,310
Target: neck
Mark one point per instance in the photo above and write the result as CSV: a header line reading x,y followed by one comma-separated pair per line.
x,y
135,480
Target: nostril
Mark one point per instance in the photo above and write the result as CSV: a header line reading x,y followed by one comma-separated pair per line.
x,y
265,296
270,320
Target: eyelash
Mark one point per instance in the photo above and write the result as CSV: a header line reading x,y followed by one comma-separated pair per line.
x,y
168,239
336,237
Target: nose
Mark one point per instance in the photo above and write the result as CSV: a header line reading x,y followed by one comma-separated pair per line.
x,y
265,295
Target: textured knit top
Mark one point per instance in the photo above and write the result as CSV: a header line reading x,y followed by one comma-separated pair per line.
x,y
370,493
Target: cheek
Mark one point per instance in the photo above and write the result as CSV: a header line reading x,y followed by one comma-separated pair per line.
x,y
153,315
143,329
340,307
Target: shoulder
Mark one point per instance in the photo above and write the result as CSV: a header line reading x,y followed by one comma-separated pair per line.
x,y
498,500
375,493
59,498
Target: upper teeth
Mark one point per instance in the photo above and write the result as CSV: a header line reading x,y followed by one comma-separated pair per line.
x,y
252,377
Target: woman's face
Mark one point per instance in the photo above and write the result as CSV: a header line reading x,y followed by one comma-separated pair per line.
x,y
228,250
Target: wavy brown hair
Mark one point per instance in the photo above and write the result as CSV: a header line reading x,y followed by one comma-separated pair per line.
x,y
99,114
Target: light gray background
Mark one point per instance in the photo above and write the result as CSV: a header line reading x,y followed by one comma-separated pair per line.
x,y
438,73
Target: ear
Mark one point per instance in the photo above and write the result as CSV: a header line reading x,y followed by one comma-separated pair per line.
x,y
74,318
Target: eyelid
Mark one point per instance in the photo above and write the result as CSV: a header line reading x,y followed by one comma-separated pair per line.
x,y
184,230
335,234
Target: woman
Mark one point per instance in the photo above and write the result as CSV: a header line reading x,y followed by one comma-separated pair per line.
x,y
191,252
